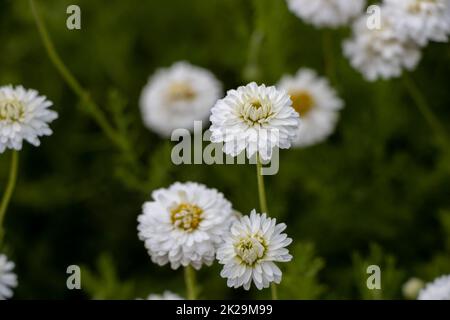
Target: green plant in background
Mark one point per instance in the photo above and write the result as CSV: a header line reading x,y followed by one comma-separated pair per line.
x,y
440,260
381,177
301,279
391,276
104,283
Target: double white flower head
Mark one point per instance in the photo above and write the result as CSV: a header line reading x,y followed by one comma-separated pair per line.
x,y
184,224
24,115
250,251
255,119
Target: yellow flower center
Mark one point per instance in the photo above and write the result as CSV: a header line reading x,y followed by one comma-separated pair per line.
x,y
186,216
302,101
256,111
256,104
251,249
181,91
11,110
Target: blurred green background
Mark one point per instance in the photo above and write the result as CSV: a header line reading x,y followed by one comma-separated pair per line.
x,y
377,192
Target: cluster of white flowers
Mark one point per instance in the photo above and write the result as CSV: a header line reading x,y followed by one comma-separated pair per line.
x,y
177,96
24,115
439,289
256,119
384,51
8,278
380,53
421,21
189,224
316,102
326,13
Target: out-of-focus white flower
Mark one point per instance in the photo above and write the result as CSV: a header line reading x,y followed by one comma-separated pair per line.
x,y
166,295
326,13
177,96
8,278
380,53
256,119
421,20
184,224
439,289
24,115
250,251
412,287
316,102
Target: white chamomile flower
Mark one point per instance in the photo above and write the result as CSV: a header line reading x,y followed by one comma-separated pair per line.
x,y
8,278
177,96
439,289
166,295
316,102
379,52
250,251
184,224
24,115
326,13
254,118
421,20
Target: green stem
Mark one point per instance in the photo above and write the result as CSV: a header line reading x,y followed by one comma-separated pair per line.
x,y
72,82
263,207
425,110
189,279
9,191
252,70
274,291
261,188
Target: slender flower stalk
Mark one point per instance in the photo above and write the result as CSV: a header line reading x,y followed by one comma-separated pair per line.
x,y
252,69
190,281
263,207
9,190
425,110
261,188
73,83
